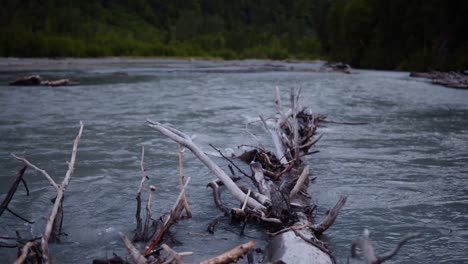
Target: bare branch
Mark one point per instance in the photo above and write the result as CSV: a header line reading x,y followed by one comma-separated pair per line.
x,y
24,252
148,213
12,190
232,187
330,218
59,199
395,250
34,167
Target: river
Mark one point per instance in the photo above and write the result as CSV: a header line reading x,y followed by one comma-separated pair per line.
x,y
406,171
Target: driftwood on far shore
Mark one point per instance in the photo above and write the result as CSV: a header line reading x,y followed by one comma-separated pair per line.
x,y
449,79
36,80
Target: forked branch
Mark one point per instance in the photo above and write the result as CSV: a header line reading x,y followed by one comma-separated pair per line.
x,y
185,140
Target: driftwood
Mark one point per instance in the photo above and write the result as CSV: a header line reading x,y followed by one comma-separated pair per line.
x,y
336,67
36,80
449,79
282,181
233,255
368,252
11,193
53,229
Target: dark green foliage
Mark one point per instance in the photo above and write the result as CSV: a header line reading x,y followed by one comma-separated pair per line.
x,y
382,34
182,28
397,34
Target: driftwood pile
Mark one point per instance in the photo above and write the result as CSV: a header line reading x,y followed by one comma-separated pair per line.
x,y
458,80
36,80
276,195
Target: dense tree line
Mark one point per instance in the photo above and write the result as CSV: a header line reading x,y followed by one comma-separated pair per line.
x,y
386,34
399,34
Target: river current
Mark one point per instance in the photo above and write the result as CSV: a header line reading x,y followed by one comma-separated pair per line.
x,y
405,171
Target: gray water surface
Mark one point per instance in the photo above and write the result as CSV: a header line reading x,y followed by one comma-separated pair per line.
x,y
405,171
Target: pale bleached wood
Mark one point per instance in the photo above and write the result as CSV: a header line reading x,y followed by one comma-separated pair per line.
x,y
170,220
148,212
233,255
137,257
144,176
181,151
275,136
299,183
184,140
34,167
24,252
59,199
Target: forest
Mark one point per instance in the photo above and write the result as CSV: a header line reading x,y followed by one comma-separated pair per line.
x,y
378,34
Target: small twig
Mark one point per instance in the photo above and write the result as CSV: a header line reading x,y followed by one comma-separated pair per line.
x,y
19,216
148,213
211,227
230,161
25,186
34,167
395,250
217,198
144,176
246,199
12,190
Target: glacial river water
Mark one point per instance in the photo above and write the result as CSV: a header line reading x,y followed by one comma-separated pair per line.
x,y
406,171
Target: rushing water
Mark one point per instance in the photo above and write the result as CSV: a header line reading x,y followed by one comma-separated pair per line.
x,y
405,171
